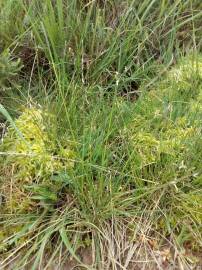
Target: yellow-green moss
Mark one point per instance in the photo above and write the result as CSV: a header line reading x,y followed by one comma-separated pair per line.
x,y
32,157
167,117
150,146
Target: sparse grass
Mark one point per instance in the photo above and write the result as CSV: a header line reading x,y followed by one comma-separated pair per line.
x,y
101,161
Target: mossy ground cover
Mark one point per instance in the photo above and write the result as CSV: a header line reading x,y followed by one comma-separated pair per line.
x,y
101,155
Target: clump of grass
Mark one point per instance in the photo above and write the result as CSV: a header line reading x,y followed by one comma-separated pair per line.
x,y
143,167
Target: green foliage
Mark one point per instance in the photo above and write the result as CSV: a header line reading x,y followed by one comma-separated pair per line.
x,y
9,68
128,156
111,159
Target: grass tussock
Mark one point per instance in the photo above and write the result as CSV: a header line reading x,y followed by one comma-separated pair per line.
x,y
100,159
